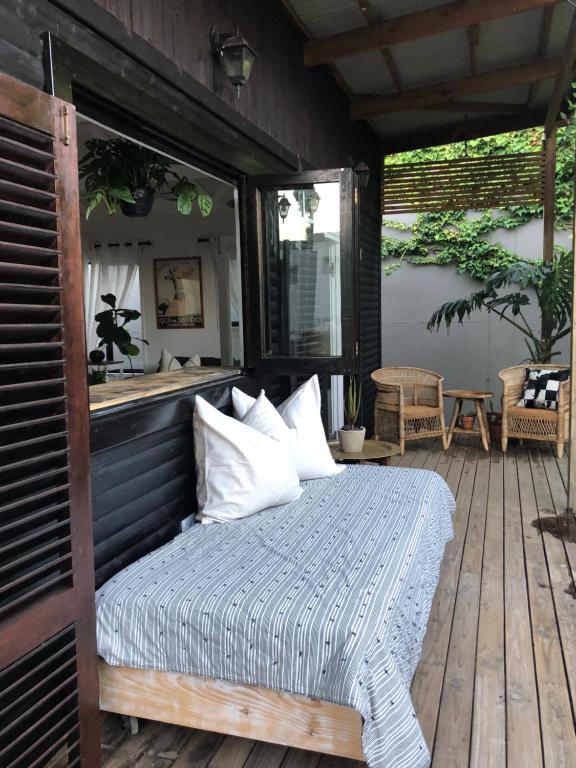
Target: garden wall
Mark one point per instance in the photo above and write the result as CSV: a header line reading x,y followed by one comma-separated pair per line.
x,y
469,355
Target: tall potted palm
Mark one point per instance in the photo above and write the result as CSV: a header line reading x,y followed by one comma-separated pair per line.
x,y
550,283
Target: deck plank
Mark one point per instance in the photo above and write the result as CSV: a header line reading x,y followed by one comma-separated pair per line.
x,y
488,746
496,683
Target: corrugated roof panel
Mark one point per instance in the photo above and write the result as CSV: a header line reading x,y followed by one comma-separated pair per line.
x,y
433,59
328,17
561,19
366,74
388,9
508,41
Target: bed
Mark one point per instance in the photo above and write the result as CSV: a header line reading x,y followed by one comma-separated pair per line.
x,y
301,625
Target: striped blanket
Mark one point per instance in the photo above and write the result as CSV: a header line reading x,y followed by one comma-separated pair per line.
x,y
328,597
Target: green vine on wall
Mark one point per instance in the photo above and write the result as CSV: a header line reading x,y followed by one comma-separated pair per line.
x,y
459,238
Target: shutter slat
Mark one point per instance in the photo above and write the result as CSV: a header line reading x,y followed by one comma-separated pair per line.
x,y
19,149
21,193
27,174
32,498
34,516
12,210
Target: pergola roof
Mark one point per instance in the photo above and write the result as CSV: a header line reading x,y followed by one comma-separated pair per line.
x,y
430,71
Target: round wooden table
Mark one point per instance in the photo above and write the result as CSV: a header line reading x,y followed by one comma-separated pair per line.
x,y
373,452
477,397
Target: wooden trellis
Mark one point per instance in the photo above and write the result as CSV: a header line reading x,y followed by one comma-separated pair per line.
x,y
497,181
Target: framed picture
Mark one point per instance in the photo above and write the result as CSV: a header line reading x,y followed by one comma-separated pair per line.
x,y
178,285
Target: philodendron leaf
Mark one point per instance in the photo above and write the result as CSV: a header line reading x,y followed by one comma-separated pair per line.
x,y
184,204
110,299
205,204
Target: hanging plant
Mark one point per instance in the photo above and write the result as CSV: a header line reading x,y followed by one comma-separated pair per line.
x,y
118,173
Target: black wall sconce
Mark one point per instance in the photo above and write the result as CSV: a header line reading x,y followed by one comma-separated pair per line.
x,y
235,54
362,171
283,207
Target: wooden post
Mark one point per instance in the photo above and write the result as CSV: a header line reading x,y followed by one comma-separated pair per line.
x,y
549,194
572,438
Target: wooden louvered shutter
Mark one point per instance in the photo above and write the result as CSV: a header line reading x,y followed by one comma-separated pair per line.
x,y
48,678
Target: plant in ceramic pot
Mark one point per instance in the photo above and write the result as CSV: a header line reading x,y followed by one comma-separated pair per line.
x,y
494,424
118,173
351,436
467,420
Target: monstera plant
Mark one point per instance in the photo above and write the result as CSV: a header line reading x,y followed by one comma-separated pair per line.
x,y
549,283
118,173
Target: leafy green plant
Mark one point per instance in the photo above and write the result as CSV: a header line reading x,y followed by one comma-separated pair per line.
x,y
459,239
96,376
111,328
113,168
549,282
352,403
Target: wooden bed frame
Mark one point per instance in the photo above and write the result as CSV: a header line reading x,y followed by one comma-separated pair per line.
x,y
237,710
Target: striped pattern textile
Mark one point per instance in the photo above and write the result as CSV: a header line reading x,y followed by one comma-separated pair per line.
x,y
328,597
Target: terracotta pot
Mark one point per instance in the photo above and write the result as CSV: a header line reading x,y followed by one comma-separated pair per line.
x,y
467,422
142,205
352,440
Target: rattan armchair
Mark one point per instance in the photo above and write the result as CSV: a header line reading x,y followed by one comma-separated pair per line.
x,y
409,405
533,423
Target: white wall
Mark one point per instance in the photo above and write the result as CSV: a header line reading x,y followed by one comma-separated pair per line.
x,y
172,236
469,355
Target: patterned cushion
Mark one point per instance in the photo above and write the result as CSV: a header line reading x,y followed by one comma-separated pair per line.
x,y
541,387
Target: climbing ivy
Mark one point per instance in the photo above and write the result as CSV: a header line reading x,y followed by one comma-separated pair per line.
x,y
459,238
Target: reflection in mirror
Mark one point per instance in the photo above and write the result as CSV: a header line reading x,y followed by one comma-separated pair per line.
x,y
302,263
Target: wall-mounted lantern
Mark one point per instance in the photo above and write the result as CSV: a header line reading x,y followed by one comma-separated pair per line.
x,y
235,54
283,207
362,171
312,202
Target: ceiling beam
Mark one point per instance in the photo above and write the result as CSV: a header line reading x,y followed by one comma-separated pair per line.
x,y
419,98
487,126
473,34
412,26
543,39
388,57
479,107
562,84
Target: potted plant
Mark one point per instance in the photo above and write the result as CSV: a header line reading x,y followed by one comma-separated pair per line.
x,y
494,424
467,420
118,173
111,328
351,436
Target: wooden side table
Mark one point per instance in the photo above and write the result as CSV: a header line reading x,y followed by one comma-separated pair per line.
x,y
374,452
477,397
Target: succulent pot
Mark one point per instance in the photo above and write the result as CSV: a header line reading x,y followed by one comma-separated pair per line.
x,y
352,440
495,426
142,205
467,422
97,356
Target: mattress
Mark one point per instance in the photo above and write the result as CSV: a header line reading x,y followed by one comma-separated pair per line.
x,y
327,597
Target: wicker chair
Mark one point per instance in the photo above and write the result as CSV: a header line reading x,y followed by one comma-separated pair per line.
x,y
409,405
533,423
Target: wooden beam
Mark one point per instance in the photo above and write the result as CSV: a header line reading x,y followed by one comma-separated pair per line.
x,y
449,134
549,195
479,107
564,78
543,39
572,439
439,93
412,26
388,57
473,34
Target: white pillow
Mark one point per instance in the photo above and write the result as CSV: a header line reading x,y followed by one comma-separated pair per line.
x,y
168,362
192,362
240,471
301,411
265,418
241,402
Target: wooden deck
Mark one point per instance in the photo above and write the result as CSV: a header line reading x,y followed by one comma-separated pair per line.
x,y
496,685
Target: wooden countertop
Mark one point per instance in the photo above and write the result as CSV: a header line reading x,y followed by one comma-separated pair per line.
x,y
140,387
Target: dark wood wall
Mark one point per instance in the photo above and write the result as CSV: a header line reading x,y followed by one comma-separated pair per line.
x,y
304,110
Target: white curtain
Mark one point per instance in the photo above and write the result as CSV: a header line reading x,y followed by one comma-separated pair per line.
x,y
107,269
